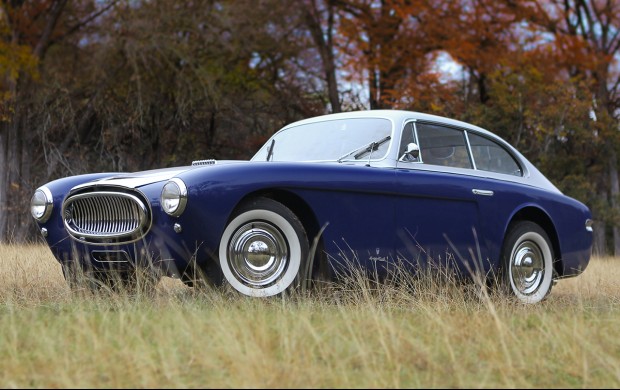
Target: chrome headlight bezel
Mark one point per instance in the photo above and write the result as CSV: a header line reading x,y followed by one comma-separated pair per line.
x,y
173,197
41,204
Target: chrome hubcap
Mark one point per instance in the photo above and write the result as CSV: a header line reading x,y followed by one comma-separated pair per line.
x,y
527,267
258,254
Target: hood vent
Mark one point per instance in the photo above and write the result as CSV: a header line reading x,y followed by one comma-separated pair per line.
x,y
203,162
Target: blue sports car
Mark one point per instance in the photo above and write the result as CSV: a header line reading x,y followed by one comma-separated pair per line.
x,y
367,189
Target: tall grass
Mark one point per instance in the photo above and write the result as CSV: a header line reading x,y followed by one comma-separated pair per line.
x,y
421,333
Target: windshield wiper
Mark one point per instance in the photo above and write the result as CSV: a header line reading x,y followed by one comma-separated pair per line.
x,y
371,147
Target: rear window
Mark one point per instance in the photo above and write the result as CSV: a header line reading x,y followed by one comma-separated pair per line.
x,y
492,157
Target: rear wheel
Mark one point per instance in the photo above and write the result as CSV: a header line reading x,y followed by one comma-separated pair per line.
x,y
264,249
527,261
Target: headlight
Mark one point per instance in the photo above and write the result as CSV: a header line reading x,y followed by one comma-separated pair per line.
x,y
174,197
41,204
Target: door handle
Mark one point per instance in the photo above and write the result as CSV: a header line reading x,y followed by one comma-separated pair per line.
x,y
482,192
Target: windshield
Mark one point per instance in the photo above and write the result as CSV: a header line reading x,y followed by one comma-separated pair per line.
x,y
328,141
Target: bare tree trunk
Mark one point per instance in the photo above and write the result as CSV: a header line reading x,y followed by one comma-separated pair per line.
x,y
25,224
615,193
599,246
375,101
14,178
325,45
600,242
14,141
4,212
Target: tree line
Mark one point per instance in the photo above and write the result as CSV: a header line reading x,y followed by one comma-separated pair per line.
x,y
126,85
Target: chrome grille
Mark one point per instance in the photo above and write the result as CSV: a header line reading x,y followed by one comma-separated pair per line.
x,y
105,215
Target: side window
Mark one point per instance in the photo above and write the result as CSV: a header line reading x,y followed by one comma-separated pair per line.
x,y
407,138
443,146
490,156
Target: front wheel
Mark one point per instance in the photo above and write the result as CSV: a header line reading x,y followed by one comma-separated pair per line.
x,y
527,261
264,249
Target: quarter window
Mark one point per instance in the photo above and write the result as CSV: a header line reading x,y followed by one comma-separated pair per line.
x,y
407,138
490,156
443,146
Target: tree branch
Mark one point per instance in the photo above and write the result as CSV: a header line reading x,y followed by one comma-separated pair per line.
x,y
586,32
84,22
52,20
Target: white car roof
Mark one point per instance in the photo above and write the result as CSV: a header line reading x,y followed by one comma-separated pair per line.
x,y
532,176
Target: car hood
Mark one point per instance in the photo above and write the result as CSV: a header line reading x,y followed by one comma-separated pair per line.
x,y
139,179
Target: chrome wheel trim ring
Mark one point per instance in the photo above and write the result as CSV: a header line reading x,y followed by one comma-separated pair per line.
x,y
285,278
257,254
531,279
527,267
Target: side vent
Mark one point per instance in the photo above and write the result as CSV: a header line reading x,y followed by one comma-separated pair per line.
x,y
203,162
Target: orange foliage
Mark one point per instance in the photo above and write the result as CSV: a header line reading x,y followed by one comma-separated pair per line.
x,y
386,44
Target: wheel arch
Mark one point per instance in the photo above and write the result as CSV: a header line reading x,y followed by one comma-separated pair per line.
x,y
541,218
303,211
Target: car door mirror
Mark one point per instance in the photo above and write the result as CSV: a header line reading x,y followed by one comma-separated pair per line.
x,y
411,153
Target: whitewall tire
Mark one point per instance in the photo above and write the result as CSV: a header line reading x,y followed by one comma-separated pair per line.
x,y
527,257
264,249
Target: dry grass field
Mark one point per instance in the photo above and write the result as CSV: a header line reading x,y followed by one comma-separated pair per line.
x,y
350,336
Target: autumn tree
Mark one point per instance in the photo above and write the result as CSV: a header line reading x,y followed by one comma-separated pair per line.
x,y
29,29
123,85
136,85
384,45
586,36
193,80
321,20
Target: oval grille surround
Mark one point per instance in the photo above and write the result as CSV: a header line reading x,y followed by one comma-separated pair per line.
x,y
101,216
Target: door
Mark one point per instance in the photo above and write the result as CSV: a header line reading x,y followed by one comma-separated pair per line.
x,y
437,214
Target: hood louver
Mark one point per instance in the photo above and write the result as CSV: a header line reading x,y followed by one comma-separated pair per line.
x,y
203,162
